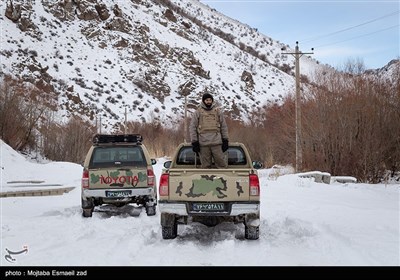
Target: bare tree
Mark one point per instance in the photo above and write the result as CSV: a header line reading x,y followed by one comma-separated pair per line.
x,y
22,107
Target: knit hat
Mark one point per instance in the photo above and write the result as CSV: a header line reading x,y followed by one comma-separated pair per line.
x,y
207,95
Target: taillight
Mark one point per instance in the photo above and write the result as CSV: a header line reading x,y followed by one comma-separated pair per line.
x,y
163,188
254,185
150,177
85,179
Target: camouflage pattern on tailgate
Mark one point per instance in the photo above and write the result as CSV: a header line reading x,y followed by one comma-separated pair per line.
x,y
124,178
200,187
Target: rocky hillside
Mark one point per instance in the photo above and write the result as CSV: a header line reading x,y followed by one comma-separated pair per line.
x,y
101,57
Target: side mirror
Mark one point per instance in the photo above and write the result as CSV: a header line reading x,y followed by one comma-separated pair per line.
x,y
167,164
257,164
153,161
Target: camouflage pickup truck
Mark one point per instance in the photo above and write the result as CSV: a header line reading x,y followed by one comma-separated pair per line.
x,y
188,193
118,171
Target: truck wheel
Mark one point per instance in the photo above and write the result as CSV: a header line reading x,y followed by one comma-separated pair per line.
x,y
251,233
151,210
87,213
170,232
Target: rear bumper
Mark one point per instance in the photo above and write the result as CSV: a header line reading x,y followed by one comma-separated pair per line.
x,y
134,192
236,209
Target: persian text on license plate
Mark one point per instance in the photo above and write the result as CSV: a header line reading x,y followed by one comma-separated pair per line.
x,y
118,193
208,207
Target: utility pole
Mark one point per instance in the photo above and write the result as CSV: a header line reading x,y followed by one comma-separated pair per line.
x,y
299,154
185,89
126,121
185,122
100,124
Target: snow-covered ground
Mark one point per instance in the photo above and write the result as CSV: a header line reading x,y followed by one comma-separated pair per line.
x,y
303,223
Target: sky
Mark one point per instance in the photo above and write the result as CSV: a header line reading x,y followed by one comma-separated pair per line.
x,y
303,223
339,31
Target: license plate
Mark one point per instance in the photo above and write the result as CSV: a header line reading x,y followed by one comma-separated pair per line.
x,y
208,207
118,193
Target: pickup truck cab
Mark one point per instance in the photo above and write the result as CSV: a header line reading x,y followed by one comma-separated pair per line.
x,y
188,193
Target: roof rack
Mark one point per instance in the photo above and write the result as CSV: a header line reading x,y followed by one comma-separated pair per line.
x,y
117,138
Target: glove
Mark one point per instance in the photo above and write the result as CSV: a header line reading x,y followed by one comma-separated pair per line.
x,y
196,147
225,144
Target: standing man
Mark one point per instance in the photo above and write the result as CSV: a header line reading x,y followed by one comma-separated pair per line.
x,y
209,133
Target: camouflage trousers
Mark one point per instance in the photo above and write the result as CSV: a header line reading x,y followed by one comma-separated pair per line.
x,y
207,153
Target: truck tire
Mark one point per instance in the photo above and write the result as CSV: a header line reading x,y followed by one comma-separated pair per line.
x,y
170,232
251,233
151,210
87,213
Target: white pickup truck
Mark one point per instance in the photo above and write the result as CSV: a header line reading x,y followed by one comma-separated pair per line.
x,y
188,193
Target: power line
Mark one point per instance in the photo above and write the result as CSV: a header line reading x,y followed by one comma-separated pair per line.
x,y
358,36
349,28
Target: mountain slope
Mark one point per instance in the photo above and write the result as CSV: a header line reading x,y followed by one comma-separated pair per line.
x,y
101,57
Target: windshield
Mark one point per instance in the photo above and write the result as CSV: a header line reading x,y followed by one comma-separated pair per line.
x,y
235,154
117,156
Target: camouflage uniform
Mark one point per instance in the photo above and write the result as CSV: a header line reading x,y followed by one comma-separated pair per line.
x,y
208,127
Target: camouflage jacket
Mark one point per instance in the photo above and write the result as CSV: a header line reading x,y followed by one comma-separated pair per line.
x,y
208,138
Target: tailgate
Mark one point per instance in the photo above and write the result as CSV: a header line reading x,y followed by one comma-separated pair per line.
x,y
209,185
111,178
